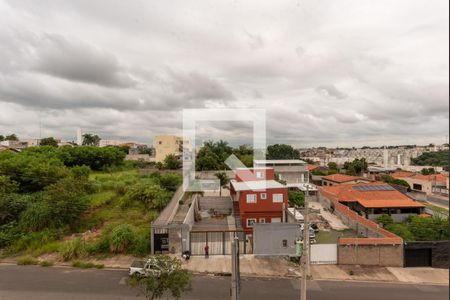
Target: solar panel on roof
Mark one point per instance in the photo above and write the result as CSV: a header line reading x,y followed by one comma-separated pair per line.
x,y
366,188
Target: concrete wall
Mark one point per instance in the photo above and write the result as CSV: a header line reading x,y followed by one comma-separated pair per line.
x,y
268,238
371,255
222,205
398,218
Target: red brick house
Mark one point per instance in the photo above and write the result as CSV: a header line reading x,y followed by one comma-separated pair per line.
x,y
258,197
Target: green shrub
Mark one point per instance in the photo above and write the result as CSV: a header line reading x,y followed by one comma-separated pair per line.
x,y
31,241
27,260
122,238
142,245
99,246
86,265
36,217
72,249
46,263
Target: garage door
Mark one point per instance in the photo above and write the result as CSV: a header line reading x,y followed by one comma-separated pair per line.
x,y
417,257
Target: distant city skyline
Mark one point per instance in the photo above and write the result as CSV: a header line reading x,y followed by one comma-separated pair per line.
x,y
329,73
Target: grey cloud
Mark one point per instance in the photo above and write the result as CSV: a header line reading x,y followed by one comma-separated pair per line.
x,y
332,91
75,60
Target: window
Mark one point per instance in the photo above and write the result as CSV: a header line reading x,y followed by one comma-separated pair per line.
x,y
262,220
277,198
251,198
160,142
263,196
276,220
417,187
285,244
259,174
251,222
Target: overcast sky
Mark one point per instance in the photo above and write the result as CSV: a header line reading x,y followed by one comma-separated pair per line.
x,y
347,72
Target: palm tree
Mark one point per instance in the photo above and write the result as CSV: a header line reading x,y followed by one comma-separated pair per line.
x,y
223,181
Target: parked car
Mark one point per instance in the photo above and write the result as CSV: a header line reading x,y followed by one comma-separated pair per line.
x,y
148,267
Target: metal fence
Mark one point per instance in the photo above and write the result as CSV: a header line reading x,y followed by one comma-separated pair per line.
x,y
219,242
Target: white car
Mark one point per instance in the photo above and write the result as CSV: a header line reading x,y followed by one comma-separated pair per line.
x,y
149,267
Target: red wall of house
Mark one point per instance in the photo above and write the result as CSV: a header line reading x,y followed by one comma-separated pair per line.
x,y
250,175
262,208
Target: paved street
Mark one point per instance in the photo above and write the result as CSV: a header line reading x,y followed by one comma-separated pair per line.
x,y
33,282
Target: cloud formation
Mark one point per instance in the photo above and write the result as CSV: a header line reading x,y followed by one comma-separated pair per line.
x,y
328,72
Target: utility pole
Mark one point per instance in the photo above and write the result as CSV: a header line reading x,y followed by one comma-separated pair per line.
x,y
305,253
235,275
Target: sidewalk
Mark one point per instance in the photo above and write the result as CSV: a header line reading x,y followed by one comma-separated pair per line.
x,y
382,274
249,266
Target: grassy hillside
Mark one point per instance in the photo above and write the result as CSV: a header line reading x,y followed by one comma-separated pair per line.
x,y
120,207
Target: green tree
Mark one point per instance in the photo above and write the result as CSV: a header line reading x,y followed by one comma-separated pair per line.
x,y
170,181
385,220
91,139
171,162
223,181
11,137
436,159
165,275
2,138
49,141
428,171
67,200
390,180
332,166
356,167
151,195
282,151
32,170
401,230
296,199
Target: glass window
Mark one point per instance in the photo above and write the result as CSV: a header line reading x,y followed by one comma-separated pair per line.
x,y
262,220
259,174
285,243
251,222
251,198
263,196
277,198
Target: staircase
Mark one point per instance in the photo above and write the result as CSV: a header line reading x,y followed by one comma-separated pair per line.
x,y
237,215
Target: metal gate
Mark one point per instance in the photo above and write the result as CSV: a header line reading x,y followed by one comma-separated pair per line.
x,y
325,254
219,242
418,257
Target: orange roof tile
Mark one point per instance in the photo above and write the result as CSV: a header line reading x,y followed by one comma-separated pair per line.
x,y
371,199
402,174
433,178
370,241
312,167
340,178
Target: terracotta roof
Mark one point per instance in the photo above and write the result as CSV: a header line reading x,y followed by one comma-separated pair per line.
x,y
370,241
371,199
312,167
402,174
432,178
425,215
340,178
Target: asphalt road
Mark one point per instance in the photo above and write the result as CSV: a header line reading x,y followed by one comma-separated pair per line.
x,y
36,283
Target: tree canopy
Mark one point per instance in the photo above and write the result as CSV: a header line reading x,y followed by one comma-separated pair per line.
x,y
91,139
282,151
49,141
436,159
356,167
165,275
